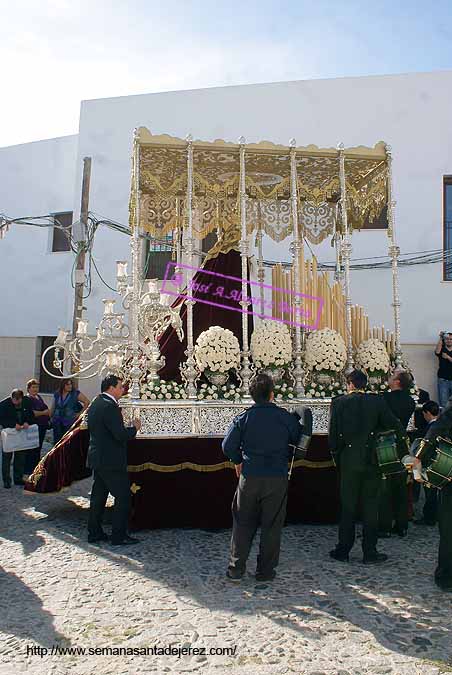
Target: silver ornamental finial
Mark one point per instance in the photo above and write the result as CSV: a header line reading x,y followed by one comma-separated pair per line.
x,y
340,146
242,140
293,143
388,148
189,138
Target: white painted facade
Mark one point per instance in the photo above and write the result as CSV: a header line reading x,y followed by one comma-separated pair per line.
x,y
410,112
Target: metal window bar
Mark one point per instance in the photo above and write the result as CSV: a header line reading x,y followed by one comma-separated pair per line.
x,y
159,254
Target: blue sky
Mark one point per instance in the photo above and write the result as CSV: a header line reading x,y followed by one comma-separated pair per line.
x,y
55,53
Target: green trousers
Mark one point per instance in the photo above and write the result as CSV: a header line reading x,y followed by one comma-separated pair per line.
x,y
359,488
443,573
18,466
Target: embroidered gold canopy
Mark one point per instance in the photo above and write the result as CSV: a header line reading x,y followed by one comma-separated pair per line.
x,y
216,171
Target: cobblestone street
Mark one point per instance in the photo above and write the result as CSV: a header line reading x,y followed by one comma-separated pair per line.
x,y
318,617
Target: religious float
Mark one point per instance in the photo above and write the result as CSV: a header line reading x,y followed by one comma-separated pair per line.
x,y
193,342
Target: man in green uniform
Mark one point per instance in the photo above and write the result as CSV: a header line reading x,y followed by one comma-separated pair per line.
x,y
442,427
355,418
394,492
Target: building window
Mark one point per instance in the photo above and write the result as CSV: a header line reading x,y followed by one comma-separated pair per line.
x,y
47,383
447,228
158,255
62,231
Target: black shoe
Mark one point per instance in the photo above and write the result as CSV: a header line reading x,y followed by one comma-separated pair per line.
x,y
234,575
422,521
337,555
265,577
94,538
7,484
125,541
384,534
375,559
19,482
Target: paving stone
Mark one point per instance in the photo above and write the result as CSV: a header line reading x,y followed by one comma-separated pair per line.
x,y
317,617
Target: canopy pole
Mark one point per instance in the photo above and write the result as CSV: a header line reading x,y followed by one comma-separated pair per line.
x,y
135,371
188,370
245,372
394,252
346,255
295,249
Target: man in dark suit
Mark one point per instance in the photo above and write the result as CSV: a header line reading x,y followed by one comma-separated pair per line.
x,y
15,413
258,442
107,456
393,512
355,418
442,427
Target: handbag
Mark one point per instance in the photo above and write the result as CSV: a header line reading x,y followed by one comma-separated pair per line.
x,y
25,439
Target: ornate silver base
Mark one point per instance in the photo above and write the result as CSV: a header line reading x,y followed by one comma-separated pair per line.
x,y
276,374
217,378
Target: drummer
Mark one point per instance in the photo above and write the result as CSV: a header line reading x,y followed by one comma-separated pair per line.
x,y
443,573
354,421
393,507
430,411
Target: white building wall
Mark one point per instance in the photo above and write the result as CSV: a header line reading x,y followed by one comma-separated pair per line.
x,y
410,112
36,179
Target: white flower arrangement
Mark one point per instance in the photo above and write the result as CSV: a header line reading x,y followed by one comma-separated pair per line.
x,y
372,357
316,390
271,345
162,391
218,350
211,392
284,392
325,351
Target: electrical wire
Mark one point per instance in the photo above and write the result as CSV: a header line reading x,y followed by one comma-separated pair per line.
x,y
95,220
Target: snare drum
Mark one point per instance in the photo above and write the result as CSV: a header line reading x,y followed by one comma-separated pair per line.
x,y
387,454
439,471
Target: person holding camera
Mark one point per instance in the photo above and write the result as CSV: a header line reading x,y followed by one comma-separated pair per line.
x,y
443,351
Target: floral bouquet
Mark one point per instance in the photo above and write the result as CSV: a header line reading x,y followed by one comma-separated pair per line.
x,y
373,357
211,392
325,352
271,346
284,392
316,390
217,350
162,390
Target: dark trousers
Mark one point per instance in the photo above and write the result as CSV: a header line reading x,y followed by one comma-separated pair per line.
x,y
443,572
430,510
18,466
393,506
33,456
115,482
258,501
359,488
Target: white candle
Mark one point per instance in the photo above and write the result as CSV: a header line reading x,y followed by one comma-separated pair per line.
x,y
61,337
152,286
121,270
82,327
108,307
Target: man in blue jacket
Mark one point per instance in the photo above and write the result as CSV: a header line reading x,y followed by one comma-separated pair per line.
x,y
258,442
